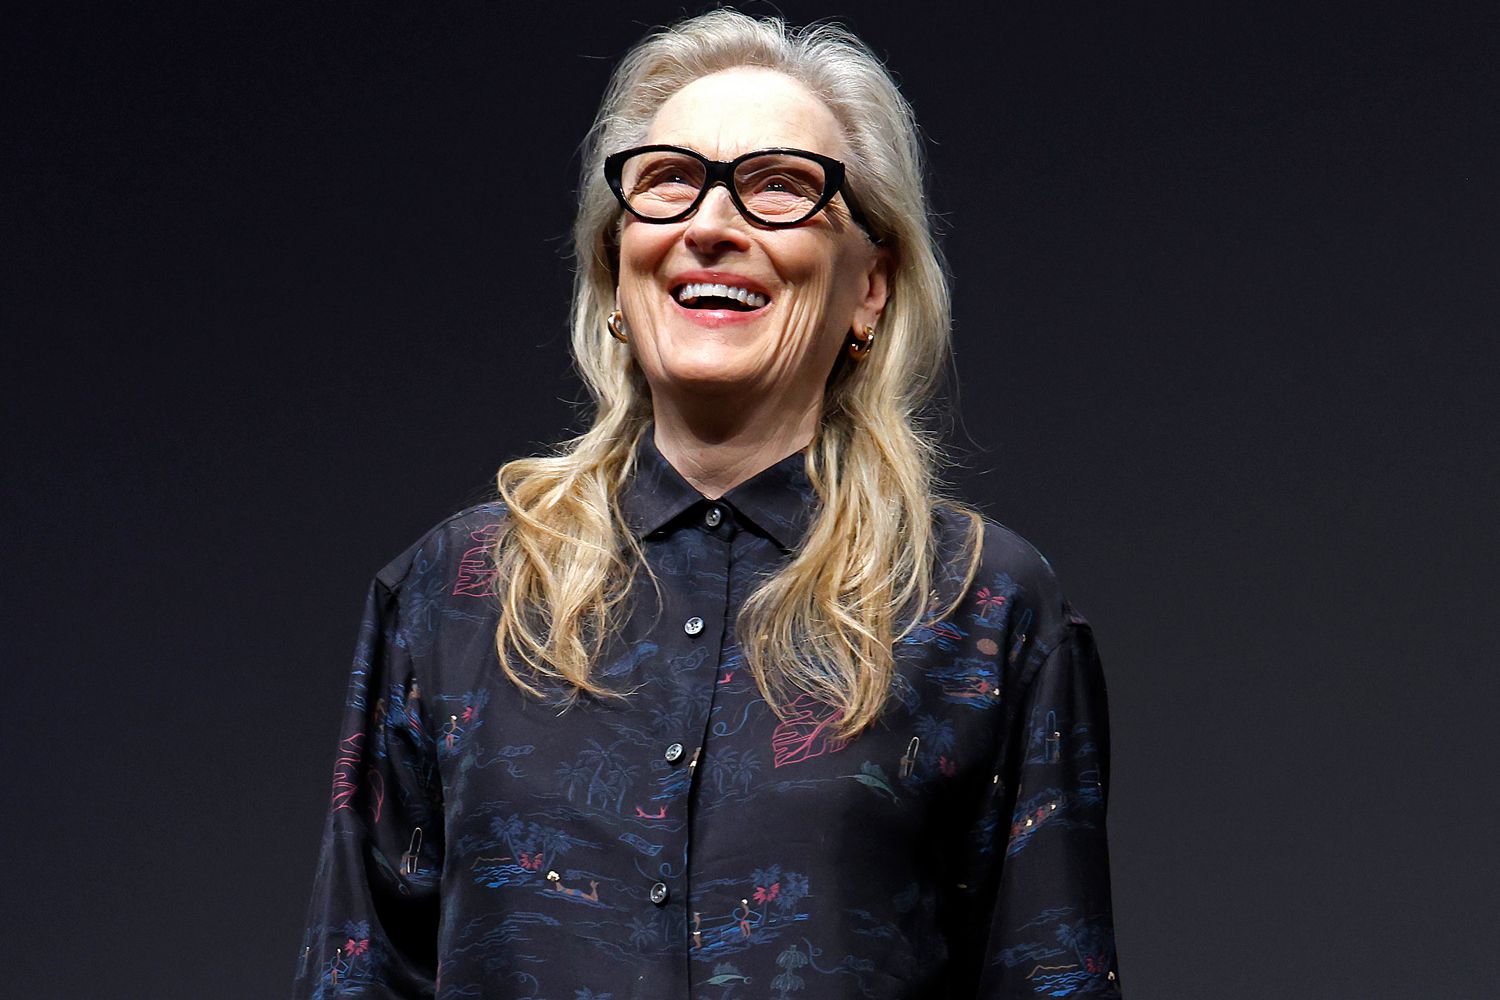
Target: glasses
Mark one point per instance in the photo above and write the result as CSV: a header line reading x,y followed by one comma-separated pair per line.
x,y
775,188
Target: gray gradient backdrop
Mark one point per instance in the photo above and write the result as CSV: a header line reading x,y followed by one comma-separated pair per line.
x,y
283,286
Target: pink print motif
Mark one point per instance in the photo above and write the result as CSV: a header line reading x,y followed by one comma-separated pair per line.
x,y
989,600
346,777
377,793
346,771
743,915
476,571
805,733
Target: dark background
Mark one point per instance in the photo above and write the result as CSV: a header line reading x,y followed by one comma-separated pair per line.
x,y
283,285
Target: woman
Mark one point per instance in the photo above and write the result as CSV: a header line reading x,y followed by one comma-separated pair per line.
x,y
720,700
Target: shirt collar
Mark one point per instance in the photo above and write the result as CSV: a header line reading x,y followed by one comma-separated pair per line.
x,y
780,500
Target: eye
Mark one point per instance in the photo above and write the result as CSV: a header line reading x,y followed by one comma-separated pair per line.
x,y
780,176
780,184
663,174
670,176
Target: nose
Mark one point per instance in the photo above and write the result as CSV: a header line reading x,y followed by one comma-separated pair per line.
x,y
717,226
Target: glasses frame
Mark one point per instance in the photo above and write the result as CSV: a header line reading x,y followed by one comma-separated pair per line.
x,y
722,172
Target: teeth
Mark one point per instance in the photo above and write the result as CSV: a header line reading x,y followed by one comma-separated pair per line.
x,y
692,292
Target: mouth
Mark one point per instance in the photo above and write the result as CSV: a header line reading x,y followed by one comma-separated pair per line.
x,y
708,296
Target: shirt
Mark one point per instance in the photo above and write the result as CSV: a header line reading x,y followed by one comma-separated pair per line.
x,y
686,843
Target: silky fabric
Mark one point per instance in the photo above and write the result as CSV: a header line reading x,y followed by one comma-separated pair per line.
x,y
684,842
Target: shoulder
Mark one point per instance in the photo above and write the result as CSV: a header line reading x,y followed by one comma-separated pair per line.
x,y
455,548
1012,581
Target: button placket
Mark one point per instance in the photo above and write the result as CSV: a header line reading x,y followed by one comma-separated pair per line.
x,y
705,587
702,868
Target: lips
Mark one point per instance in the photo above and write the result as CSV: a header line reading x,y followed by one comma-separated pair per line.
x,y
718,295
717,299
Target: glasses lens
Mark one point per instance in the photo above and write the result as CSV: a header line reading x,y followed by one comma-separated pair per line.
x,y
661,183
780,187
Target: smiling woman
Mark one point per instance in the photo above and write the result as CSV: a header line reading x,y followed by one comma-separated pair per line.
x,y
815,274
724,695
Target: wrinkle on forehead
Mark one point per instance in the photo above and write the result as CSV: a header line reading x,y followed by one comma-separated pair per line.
x,y
738,110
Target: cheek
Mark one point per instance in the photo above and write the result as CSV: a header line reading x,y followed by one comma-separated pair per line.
x,y
642,248
827,290
811,309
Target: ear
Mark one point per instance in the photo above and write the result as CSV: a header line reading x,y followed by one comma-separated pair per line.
x,y
877,288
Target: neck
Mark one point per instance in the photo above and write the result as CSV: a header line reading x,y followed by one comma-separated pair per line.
x,y
717,444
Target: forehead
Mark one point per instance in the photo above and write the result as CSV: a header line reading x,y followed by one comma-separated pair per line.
x,y
737,110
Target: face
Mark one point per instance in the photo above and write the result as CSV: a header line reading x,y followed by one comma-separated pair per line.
x,y
818,279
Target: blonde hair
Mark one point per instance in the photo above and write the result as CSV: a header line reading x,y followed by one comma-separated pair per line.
x,y
827,622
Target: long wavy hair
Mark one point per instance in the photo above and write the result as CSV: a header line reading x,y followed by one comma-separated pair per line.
x,y
827,622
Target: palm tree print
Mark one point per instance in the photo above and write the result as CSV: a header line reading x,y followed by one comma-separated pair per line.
x,y
509,829
750,765
574,776
794,889
781,891
609,775
992,603
722,768
642,933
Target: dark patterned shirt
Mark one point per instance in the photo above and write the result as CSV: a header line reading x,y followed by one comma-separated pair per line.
x,y
686,843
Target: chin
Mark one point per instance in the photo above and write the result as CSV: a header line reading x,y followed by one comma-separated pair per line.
x,y
709,379
711,365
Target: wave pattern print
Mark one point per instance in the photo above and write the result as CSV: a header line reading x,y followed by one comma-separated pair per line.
x,y
686,841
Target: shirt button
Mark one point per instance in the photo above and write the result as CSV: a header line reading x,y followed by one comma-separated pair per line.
x,y
693,625
713,517
659,893
674,753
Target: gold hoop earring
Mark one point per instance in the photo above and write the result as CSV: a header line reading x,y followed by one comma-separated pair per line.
x,y
616,324
861,343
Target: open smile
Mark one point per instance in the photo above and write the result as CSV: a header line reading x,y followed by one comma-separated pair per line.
x,y
718,299
715,295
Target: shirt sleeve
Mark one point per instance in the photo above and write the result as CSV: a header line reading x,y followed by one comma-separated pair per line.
x,y
1052,928
372,923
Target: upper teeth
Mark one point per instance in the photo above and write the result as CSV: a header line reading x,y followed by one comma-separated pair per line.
x,y
688,293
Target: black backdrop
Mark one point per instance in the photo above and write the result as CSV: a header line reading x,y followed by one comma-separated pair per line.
x,y
284,284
